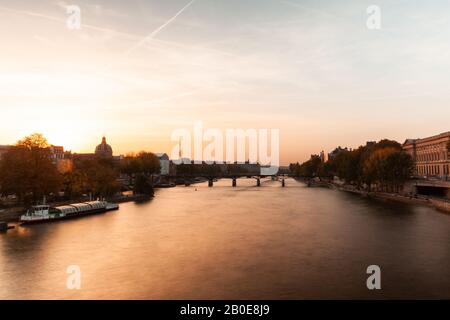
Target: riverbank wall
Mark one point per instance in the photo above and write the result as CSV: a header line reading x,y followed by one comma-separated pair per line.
x,y
440,204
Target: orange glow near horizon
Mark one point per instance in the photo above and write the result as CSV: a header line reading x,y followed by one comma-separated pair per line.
x,y
136,79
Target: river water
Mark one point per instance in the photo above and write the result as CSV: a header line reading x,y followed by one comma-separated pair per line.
x,y
234,243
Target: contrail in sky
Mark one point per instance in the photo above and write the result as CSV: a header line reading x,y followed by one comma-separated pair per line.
x,y
128,36
157,30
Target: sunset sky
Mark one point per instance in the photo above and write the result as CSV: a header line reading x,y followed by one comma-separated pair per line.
x,y
139,69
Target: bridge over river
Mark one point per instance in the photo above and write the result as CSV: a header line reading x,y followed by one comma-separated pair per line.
x,y
232,176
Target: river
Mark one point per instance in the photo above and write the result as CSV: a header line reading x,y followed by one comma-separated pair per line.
x,y
247,242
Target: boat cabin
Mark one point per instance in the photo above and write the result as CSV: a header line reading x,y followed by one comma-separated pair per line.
x,y
39,210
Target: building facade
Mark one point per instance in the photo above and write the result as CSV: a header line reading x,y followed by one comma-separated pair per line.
x,y
164,163
337,151
431,155
104,150
56,153
61,159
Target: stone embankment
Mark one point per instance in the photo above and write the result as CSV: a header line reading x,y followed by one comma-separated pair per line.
x,y
440,204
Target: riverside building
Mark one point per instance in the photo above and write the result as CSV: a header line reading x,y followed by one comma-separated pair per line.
x,y
431,155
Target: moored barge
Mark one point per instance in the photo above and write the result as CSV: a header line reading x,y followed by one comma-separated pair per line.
x,y
46,213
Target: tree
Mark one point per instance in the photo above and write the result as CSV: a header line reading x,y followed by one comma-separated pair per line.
x,y
373,167
15,172
148,163
386,143
389,167
397,168
294,167
102,180
325,170
130,166
34,141
96,176
384,163
346,165
27,170
142,185
75,183
143,165
310,168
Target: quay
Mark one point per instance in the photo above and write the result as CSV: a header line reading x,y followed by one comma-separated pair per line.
x,y
440,204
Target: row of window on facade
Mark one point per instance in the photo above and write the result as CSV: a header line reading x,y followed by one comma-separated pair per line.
x,y
433,170
435,156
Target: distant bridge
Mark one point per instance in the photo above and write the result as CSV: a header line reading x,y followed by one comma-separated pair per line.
x,y
233,176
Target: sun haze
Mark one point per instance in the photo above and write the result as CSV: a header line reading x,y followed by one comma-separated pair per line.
x,y
135,71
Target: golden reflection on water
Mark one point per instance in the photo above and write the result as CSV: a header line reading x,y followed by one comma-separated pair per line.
x,y
234,243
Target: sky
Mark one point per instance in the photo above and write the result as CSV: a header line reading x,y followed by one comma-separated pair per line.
x,y
137,70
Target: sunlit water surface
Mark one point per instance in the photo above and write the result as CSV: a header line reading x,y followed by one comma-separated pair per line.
x,y
234,243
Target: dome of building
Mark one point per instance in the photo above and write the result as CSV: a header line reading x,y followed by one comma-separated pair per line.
x,y
104,150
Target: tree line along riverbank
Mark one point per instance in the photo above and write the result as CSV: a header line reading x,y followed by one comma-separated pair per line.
x,y
378,169
29,173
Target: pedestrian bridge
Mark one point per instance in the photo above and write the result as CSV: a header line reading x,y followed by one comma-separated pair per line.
x,y
233,177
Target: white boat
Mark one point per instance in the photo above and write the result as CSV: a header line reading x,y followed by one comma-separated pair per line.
x,y
46,213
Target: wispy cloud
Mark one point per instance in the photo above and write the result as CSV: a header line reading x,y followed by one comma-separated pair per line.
x,y
32,14
159,29
35,14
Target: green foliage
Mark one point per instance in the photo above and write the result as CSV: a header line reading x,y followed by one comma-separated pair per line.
x,y
383,163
